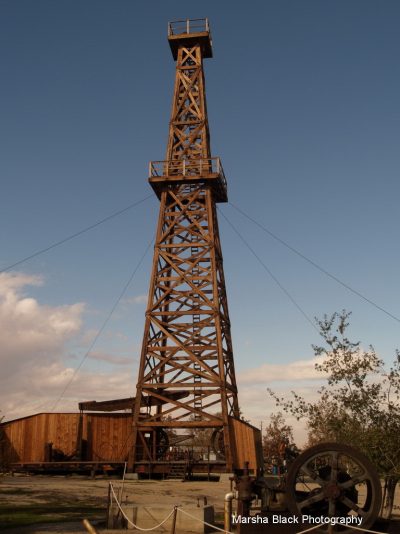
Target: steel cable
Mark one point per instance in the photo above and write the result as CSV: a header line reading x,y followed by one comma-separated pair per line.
x,y
274,278
105,322
72,236
311,262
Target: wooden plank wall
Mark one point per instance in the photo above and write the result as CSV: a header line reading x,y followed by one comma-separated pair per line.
x,y
108,436
247,444
25,438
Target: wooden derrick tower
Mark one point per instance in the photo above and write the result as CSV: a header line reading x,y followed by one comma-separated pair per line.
x,y
186,374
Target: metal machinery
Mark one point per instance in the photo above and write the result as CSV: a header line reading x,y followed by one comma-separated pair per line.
x,y
187,343
329,480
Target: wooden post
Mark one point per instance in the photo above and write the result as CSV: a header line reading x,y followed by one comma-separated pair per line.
x,y
108,505
173,525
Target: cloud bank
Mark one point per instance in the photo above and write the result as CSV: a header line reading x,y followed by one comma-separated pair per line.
x,y
292,371
33,348
257,404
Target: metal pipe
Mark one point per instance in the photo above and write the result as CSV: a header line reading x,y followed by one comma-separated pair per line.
x,y
228,510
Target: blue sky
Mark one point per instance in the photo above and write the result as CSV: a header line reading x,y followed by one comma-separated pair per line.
x,y
304,112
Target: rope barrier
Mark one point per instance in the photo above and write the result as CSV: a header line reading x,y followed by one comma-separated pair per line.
x,y
204,522
133,524
174,509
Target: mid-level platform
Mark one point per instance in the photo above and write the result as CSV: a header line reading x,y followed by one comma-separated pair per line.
x,y
163,174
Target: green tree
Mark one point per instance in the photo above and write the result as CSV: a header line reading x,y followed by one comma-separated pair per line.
x,y
277,439
358,405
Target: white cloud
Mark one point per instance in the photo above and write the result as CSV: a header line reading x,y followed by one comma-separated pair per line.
x,y
293,371
41,390
257,403
32,337
33,348
110,358
30,333
11,282
88,336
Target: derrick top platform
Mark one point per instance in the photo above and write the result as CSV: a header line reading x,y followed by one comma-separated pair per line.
x,y
189,32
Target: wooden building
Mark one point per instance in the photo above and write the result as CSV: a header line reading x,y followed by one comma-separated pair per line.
x,y
58,439
92,437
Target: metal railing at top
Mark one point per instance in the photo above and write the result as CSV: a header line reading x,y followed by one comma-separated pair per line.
x,y
177,27
187,167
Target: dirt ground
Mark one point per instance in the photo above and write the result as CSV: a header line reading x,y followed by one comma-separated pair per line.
x,y
57,504
61,498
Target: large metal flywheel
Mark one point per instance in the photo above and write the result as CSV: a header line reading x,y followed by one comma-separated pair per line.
x,y
334,480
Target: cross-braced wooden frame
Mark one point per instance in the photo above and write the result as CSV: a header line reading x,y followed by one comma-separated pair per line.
x,y
187,344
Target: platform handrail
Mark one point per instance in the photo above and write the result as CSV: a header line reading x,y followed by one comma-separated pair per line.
x,y
187,167
178,27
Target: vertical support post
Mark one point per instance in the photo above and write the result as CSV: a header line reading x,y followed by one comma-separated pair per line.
x,y
173,525
109,505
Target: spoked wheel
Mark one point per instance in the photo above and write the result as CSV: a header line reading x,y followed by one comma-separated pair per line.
x,y
336,481
218,443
